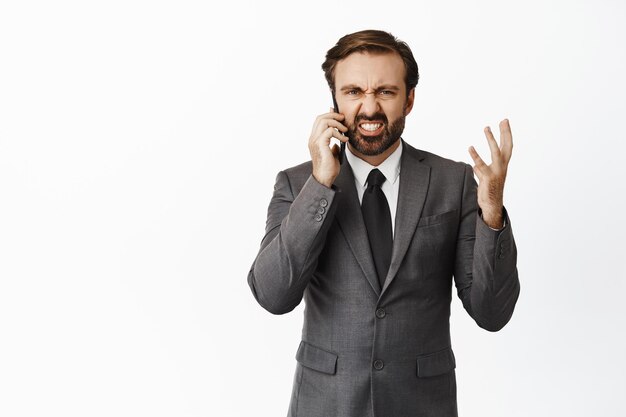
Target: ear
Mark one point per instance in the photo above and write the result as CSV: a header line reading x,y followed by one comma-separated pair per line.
x,y
408,106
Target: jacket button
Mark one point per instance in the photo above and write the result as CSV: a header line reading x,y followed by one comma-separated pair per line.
x,y
380,313
500,256
323,202
321,210
318,217
378,364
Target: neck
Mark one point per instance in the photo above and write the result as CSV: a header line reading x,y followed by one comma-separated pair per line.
x,y
375,160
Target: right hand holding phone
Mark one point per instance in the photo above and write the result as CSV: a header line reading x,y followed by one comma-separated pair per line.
x,y
325,159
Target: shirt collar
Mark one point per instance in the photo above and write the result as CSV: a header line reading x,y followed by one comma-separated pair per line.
x,y
390,167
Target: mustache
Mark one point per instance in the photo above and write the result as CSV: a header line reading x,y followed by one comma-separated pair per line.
x,y
363,118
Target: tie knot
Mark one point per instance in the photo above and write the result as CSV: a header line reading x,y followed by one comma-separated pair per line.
x,y
375,178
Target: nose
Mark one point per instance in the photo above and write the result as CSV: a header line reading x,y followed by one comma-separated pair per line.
x,y
369,104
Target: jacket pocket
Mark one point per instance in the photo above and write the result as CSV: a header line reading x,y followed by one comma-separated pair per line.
x,y
436,363
316,358
437,218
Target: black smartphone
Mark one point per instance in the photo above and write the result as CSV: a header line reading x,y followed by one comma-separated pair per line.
x,y
342,146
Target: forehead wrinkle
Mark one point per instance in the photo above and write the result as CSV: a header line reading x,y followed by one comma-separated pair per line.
x,y
376,86
371,82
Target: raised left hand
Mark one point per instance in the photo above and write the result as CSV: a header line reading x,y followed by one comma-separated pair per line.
x,y
491,177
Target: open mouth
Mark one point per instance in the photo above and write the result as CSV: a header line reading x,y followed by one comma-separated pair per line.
x,y
371,128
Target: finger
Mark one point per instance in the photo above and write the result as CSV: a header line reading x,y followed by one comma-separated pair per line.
x,y
506,137
480,164
332,111
493,145
324,124
330,115
336,134
328,123
324,138
324,120
478,173
337,124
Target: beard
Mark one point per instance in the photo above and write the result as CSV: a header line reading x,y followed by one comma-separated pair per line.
x,y
375,145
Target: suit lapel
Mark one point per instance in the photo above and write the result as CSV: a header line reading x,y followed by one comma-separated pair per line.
x,y
351,222
414,180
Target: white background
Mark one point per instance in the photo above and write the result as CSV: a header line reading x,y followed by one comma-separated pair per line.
x,y
139,143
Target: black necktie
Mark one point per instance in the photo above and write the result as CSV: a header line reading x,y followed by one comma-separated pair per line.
x,y
377,217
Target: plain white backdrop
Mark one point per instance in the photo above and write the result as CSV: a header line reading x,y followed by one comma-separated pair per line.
x,y
139,143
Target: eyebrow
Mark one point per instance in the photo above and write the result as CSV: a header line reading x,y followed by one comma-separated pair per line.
x,y
382,87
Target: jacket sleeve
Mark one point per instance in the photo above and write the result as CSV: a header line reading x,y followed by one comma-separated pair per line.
x,y
485,271
295,233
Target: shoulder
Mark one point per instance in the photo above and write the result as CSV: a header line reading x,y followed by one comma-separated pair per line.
x,y
297,175
439,164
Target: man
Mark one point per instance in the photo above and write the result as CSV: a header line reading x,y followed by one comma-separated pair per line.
x,y
372,246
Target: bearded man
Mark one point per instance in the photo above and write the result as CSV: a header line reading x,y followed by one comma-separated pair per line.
x,y
373,243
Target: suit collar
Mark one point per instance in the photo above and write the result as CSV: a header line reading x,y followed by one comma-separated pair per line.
x,y
412,192
350,220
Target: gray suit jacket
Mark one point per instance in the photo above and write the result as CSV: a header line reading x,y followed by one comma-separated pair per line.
x,y
368,351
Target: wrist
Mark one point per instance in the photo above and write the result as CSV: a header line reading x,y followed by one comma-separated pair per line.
x,y
493,217
324,181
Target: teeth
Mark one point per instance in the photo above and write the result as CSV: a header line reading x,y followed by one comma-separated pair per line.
x,y
371,126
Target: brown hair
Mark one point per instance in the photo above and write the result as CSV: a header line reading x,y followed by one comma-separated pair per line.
x,y
370,40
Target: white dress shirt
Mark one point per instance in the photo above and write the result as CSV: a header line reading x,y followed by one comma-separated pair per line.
x,y
390,168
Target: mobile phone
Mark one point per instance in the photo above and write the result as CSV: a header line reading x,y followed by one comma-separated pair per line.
x,y
342,146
